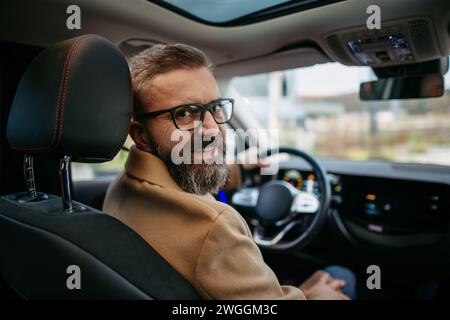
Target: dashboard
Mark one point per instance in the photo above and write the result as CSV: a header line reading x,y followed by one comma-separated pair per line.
x,y
306,181
381,203
384,211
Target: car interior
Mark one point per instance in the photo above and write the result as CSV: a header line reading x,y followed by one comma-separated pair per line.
x,y
363,115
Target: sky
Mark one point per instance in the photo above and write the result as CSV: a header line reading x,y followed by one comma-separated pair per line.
x,y
330,79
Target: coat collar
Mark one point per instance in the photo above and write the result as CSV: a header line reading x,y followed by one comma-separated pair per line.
x,y
148,167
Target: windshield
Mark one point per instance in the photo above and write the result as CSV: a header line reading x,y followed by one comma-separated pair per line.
x,y
318,109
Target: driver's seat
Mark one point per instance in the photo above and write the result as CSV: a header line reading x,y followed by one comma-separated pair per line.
x,y
73,103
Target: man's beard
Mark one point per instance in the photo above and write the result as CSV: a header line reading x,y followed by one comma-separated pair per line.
x,y
199,178
194,178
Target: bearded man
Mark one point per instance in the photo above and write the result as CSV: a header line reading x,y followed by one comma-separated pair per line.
x,y
168,202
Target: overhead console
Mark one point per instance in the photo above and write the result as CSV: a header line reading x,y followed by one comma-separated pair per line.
x,y
397,42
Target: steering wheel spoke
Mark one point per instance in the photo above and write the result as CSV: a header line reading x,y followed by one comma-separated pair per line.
x,y
246,197
269,241
282,209
305,202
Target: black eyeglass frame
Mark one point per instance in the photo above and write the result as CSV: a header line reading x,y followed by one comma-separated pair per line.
x,y
203,107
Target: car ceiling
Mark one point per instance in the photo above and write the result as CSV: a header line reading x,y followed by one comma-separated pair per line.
x,y
293,40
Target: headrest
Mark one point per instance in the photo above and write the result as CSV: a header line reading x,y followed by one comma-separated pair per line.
x,y
74,99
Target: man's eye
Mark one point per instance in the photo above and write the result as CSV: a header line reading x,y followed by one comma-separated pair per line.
x,y
187,112
216,108
184,114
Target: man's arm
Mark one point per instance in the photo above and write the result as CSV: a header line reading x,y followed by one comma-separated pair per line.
x,y
230,265
247,160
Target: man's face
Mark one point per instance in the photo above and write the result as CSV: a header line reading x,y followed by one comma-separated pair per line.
x,y
175,88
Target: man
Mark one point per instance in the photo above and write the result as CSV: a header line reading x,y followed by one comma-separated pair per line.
x,y
170,204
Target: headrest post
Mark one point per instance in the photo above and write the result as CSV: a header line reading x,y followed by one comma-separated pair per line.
x,y
31,195
28,173
64,178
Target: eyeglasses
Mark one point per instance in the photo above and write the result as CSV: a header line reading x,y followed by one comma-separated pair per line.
x,y
190,116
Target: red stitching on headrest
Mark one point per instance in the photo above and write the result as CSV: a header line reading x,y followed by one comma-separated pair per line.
x,y
60,103
61,116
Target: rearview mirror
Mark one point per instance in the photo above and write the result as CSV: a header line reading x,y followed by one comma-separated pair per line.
x,y
423,86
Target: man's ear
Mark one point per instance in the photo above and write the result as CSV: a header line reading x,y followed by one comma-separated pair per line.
x,y
139,135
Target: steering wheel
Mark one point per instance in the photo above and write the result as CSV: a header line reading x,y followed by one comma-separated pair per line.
x,y
287,218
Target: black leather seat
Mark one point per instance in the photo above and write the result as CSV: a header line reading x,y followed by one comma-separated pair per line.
x,y
74,101
91,192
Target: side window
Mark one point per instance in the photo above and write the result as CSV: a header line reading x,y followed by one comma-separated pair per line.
x,y
99,171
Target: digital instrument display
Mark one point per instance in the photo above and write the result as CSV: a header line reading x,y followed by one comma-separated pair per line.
x,y
307,181
394,206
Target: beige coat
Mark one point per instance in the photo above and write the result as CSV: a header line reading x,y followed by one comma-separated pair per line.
x,y
206,241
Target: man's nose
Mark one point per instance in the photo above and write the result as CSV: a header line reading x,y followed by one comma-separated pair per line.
x,y
209,122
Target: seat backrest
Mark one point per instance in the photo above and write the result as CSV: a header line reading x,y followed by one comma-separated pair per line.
x,y
39,243
91,192
74,100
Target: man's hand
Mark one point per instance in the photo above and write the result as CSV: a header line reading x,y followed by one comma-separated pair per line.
x,y
321,286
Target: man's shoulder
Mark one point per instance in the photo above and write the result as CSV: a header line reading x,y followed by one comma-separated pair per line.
x,y
227,213
176,224
128,191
